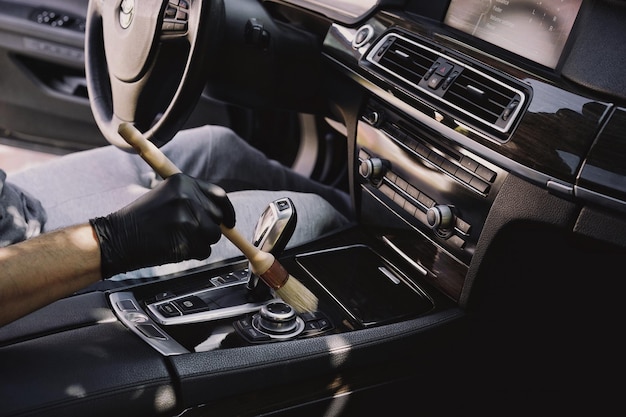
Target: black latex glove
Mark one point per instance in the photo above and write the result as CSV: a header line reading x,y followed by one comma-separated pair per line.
x,y
177,220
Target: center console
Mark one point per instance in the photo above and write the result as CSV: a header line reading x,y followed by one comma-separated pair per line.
x,y
358,287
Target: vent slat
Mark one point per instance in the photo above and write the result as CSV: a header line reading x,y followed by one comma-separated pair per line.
x,y
481,110
489,106
407,62
498,93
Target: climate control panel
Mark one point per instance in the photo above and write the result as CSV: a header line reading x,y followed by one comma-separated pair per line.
x,y
436,187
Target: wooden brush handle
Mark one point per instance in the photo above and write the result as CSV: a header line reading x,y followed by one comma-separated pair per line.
x,y
260,261
161,164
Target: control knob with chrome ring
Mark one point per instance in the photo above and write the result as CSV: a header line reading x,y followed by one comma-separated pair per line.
x,y
373,170
440,217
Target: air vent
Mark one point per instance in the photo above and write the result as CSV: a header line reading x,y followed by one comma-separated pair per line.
x,y
481,99
402,58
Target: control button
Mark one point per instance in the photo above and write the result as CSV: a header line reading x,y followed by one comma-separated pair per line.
x,y
449,80
245,328
479,184
191,304
324,324
311,326
410,208
402,184
449,167
245,322
283,205
168,310
462,226
164,295
435,158
126,305
316,322
430,72
413,192
411,143
255,335
362,36
136,317
456,242
241,274
464,176
399,199
425,200
150,330
444,69
435,81
228,278
422,150
485,173
469,163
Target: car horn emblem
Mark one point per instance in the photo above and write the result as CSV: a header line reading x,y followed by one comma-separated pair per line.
x,y
127,10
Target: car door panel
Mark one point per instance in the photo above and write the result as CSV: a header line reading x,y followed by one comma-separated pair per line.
x,y
44,99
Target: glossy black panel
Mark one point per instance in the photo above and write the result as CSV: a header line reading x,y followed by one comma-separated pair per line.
x,y
605,168
556,132
369,287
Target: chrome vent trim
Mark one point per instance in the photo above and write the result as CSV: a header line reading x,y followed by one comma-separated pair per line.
x,y
485,99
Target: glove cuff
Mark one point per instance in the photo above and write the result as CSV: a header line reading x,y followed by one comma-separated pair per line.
x,y
108,256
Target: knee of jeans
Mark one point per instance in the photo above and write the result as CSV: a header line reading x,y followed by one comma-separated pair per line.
x,y
224,141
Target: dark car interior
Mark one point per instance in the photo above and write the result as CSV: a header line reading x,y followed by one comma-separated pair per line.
x,y
480,142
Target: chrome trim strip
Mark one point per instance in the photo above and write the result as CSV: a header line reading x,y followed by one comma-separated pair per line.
x,y
404,256
220,313
127,309
603,200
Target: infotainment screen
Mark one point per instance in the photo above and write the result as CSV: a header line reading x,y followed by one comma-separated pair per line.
x,y
534,29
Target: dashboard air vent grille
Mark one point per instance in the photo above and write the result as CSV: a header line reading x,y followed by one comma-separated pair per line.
x,y
470,94
481,96
407,61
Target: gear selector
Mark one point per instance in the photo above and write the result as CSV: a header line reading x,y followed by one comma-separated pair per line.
x,y
236,292
271,234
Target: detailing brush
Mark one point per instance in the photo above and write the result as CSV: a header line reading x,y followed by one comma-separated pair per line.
x,y
263,264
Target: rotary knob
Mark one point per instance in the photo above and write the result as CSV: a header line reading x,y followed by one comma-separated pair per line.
x,y
278,320
440,217
373,170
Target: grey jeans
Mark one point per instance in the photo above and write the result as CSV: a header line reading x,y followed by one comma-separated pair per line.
x,y
83,185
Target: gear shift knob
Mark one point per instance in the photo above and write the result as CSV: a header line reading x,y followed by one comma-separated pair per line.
x,y
271,234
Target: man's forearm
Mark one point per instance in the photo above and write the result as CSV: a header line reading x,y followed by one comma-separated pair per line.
x,y
41,270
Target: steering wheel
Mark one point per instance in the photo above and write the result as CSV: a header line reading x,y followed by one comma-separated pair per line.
x,y
146,63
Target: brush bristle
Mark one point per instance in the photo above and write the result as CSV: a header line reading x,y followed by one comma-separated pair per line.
x,y
298,296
